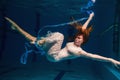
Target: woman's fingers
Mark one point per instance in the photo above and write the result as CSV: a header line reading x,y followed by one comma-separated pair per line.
x,y
92,14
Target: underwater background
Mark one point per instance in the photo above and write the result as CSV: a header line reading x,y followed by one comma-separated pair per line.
x,y
33,15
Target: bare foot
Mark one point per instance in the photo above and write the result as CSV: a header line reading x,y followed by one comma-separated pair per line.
x,y
41,41
13,24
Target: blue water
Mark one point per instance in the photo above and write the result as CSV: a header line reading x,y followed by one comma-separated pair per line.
x,y
32,15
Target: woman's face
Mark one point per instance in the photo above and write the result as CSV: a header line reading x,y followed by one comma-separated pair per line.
x,y
79,40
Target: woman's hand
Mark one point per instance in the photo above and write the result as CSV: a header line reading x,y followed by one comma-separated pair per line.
x,y
116,63
91,15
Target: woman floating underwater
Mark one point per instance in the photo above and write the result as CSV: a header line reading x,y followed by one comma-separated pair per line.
x,y
52,43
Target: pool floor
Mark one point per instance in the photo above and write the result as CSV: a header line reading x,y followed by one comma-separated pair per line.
x,y
48,71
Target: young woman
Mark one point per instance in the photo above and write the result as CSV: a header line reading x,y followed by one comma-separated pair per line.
x,y
52,43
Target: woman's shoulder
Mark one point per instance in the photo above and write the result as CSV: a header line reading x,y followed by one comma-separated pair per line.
x,y
70,43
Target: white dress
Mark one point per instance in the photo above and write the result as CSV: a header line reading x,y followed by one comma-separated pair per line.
x,y
53,45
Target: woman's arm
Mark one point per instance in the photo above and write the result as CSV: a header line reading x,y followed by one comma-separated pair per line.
x,y
88,21
14,26
78,26
96,57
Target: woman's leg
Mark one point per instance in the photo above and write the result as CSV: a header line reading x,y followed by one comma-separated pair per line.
x,y
54,43
14,26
